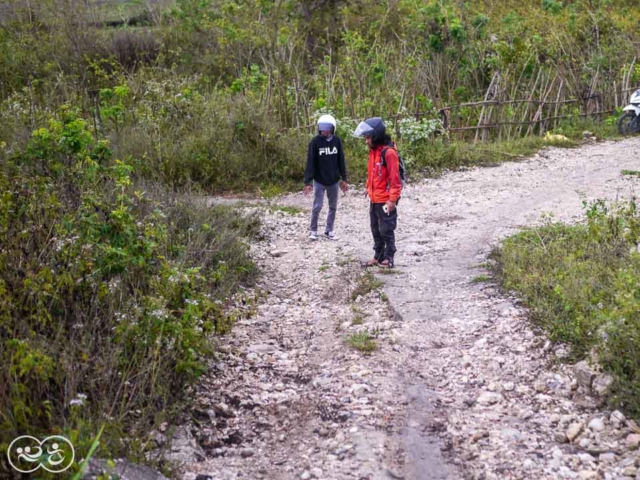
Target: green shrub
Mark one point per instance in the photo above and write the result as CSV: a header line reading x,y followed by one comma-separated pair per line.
x,y
363,342
109,292
367,282
481,279
580,283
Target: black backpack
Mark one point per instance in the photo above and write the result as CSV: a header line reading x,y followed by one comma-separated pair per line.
x,y
401,167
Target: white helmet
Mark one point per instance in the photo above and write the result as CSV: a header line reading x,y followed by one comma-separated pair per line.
x,y
325,120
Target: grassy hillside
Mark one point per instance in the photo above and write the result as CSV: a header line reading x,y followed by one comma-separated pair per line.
x,y
209,90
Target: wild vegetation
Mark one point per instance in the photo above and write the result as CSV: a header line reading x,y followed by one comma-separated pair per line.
x,y
362,341
223,94
109,286
580,283
109,291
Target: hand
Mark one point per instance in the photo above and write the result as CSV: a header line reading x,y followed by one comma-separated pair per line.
x,y
391,206
307,190
344,187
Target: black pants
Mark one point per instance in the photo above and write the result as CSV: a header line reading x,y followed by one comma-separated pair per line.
x,y
382,229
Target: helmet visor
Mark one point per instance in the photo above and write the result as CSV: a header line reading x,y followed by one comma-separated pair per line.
x,y
363,130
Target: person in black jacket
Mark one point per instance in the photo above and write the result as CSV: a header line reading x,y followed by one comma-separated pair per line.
x,y
325,167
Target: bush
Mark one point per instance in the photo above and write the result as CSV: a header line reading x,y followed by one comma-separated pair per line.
x,y
108,295
185,136
580,283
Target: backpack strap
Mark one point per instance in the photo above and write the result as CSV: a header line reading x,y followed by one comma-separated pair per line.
x,y
383,162
382,155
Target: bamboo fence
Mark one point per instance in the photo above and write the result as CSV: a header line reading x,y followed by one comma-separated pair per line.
x,y
536,115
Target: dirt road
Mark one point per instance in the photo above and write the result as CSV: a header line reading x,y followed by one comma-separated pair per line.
x,y
460,386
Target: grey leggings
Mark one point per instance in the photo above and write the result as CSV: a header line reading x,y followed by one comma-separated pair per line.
x,y
318,198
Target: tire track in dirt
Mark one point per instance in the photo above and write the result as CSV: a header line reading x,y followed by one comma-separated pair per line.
x,y
461,216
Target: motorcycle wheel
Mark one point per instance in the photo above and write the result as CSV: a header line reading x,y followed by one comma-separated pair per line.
x,y
627,124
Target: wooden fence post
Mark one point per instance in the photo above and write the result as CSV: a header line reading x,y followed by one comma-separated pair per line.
x,y
488,96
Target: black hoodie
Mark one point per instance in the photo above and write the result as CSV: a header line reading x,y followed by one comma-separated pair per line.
x,y
325,161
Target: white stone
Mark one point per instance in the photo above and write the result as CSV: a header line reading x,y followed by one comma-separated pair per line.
x,y
316,472
566,472
509,386
574,430
586,458
539,386
596,424
253,357
358,388
632,441
489,398
617,417
601,384
608,457
584,373
511,434
587,475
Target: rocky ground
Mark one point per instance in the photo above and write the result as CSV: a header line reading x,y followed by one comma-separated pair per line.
x,y
456,382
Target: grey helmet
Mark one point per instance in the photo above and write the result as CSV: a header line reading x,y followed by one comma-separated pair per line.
x,y
371,127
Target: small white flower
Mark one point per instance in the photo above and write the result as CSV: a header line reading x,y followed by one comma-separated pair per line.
x,y
79,400
113,285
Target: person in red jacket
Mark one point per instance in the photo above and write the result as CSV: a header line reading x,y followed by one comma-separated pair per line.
x,y
384,187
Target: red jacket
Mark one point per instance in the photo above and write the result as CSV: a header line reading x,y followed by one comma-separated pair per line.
x,y
383,182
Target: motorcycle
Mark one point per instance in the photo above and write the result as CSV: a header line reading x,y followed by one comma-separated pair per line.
x,y
629,122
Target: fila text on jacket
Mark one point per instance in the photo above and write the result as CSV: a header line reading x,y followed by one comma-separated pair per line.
x,y
328,151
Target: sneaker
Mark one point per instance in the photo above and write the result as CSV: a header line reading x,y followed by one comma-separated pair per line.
x,y
313,235
330,236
